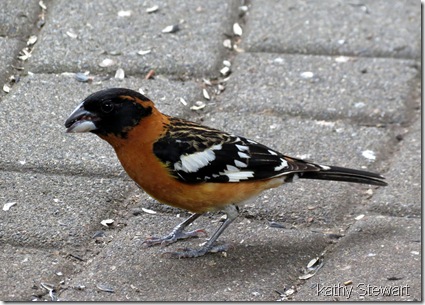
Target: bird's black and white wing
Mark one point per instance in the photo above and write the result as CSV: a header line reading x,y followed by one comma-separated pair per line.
x,y
195,153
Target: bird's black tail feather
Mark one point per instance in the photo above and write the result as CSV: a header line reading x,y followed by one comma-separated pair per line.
x,y
344,174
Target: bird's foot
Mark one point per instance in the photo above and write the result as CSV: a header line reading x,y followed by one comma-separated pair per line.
x,y
190,253
173,237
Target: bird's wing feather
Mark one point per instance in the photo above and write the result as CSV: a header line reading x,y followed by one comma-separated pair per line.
x,y
195,153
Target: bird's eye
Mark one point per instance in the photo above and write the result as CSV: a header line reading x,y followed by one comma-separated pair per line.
x,y
107,107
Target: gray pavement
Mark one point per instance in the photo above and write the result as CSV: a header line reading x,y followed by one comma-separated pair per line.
x,y
337,82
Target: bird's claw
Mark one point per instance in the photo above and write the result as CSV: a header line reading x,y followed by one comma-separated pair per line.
x,y
190,253
173,237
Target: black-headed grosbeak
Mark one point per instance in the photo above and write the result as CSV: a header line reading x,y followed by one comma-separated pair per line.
x,y
190,166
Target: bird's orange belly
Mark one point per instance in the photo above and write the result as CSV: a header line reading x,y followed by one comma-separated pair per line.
x,y
154,178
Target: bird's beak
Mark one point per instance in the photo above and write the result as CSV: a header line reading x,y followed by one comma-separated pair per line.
x,y
81,120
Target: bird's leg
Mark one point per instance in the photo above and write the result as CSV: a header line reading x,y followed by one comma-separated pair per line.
x,y
232,212
176,234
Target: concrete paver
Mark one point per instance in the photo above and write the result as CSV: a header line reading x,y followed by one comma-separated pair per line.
x,y
335,82
150,277
366,90
405,175
39,123
18,18
366,28
57,51
372,257
56,211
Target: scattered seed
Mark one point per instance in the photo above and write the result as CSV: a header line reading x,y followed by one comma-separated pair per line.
x,y
82,77
182,100
115,53
224,79
225,71
369,154
276,225
341,41
124,13
32,40
25,54
42,5
226,63
237,30
415,252
207,82
105,288
8,205
98,234
107,222
18,68
359,217
206,94
243,9
143,52
150,74
312,263
171,29
359,105
394,278
289,291
148,211
120,74
106,63
237,49
6,88
220,87
307,74
306,276
227,43
349,282
342,59
51,289
152,9
71,34
198,105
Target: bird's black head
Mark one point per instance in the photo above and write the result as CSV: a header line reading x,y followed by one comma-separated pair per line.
x,y
110,111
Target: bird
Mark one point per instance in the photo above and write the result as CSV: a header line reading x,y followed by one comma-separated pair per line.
x,y
190,166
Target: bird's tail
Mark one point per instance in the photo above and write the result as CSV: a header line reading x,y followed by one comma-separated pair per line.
x,y
344,174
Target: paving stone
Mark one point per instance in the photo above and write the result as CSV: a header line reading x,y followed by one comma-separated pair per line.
x,y
55,211
9,47
36,127
25,269
260,261
326,203
18,18
369,91
403,196
372,257
323,80
57,51
365,28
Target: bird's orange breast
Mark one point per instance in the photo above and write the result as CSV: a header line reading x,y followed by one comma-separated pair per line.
x,y
136,156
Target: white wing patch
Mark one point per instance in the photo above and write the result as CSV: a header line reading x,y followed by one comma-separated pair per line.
x,y
193,162
240,164
242,147
283,163
243,155
272,152
236,175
